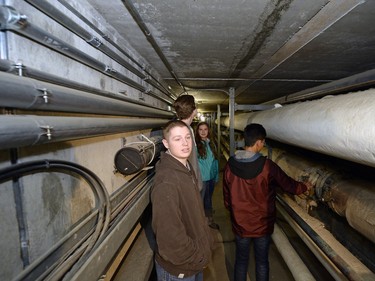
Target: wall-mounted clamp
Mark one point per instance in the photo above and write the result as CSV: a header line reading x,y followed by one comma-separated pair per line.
x,y
45,94
48,130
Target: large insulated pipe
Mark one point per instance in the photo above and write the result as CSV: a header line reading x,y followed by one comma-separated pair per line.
x,y
340,126
30,94
351,198
18,131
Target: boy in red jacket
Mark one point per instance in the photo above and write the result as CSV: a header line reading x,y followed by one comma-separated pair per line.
x,y
249,187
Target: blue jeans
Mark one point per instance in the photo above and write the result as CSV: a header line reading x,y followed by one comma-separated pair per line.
x,y
208,187
163,275
261,248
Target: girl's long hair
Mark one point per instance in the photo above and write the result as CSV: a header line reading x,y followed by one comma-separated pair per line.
x,y
202,153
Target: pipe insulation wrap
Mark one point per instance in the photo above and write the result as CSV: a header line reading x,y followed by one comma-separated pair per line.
x,y
348,197
17,131
340,126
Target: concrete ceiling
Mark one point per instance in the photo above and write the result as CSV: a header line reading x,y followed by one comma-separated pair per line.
x,y
265,49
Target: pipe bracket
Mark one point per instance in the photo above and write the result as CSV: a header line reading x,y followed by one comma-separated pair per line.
x,y
10,18
45,94
48,130
95,42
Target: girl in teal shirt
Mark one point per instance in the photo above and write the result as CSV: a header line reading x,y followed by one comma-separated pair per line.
x,y
208,166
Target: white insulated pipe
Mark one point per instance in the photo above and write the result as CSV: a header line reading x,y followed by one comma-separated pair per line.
x,y
341,126
296,266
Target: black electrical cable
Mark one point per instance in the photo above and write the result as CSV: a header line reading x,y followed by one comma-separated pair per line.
x,y
22,169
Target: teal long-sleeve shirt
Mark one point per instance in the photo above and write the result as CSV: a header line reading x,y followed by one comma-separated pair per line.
x,y
208,165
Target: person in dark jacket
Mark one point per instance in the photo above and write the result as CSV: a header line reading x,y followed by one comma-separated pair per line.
x,y
186,112
183,237
249,188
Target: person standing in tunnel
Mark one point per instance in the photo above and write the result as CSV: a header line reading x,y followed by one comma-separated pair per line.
x,y
249,189
183,238
186,112
208,165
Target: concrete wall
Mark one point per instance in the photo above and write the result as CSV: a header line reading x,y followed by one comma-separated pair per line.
x,y
49,204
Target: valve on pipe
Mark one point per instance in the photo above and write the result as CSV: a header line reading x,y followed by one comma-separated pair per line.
x,y
136,156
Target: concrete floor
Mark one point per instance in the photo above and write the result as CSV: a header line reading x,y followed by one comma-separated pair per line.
x,y
222,264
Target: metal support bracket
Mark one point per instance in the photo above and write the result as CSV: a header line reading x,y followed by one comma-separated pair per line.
x,y
48,132
45,94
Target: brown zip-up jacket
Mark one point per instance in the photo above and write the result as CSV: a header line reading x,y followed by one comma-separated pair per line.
x,y
183,237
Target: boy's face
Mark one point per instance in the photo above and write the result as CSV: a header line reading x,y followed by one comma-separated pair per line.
x,y
179,143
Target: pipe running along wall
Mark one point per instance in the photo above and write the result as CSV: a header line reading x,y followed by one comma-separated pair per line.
x,y
18,131
30,94
341,126
12,20
77,29
348,197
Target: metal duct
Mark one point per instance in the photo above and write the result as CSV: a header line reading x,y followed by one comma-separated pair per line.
x,y
340,126
30,94
18,131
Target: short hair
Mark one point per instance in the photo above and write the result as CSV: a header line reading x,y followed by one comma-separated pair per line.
x,y
254,132
172,124
184,106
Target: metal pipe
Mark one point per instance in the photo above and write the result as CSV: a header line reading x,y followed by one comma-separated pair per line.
x,y
138,19
22,70
17,131
30,94
108,39
340,126
319,254
10,19
364,79
338,261
296,266
231,120
77,29
351,198
60,17
95,265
